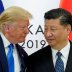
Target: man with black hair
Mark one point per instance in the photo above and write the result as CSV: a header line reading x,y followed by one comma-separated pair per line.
x,y
57,56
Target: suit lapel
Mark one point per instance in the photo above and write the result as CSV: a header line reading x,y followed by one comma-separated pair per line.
x,y
3,59
45,62
50,60
69,62
21,57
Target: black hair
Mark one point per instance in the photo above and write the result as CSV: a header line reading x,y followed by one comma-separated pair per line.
x,y
64,16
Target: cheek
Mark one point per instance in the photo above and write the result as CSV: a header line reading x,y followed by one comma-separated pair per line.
x,y
21,33
45,34
12,32
17,33
61,35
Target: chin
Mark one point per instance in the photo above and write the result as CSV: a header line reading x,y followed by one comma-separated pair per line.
x,y
21,41
51,43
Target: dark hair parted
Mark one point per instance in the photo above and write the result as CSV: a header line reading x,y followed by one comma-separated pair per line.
x,y
64,16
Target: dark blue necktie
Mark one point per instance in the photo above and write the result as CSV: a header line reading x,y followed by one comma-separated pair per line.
x,y
10,58
59,66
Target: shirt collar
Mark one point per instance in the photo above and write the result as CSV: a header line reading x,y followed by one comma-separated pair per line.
x,y
64,51
5,41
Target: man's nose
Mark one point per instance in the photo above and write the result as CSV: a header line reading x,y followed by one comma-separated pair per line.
x,y
49,34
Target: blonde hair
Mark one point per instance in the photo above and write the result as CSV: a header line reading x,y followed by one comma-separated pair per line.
x,y
14,13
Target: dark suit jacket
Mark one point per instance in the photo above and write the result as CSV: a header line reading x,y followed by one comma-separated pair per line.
x,y
3,59
41,61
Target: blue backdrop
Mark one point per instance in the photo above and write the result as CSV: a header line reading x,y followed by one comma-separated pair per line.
x,y
1,7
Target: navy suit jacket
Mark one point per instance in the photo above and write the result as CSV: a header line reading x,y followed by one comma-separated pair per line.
x,y
41,61
3,59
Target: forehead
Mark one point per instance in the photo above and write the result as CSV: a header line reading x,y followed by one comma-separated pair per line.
x,y
52,22
21,22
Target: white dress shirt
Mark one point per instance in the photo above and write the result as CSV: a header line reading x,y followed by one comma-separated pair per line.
x,y
65,54
15,54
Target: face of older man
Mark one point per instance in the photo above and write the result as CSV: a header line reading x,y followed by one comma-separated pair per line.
x,y
55,33
18,31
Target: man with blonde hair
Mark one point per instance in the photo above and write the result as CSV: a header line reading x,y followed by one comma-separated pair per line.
x,y
14,22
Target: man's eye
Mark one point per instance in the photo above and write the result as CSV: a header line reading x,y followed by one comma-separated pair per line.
x,y
53,29
22,27
45,28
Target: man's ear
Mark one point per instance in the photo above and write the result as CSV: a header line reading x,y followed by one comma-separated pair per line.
x,y
69,28
6,27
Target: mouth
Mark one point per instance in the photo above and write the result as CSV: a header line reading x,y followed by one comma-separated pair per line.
x,y
50,40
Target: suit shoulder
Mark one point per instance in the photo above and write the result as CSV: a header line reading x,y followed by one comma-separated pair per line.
x,y
41,52
21,50
40,56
